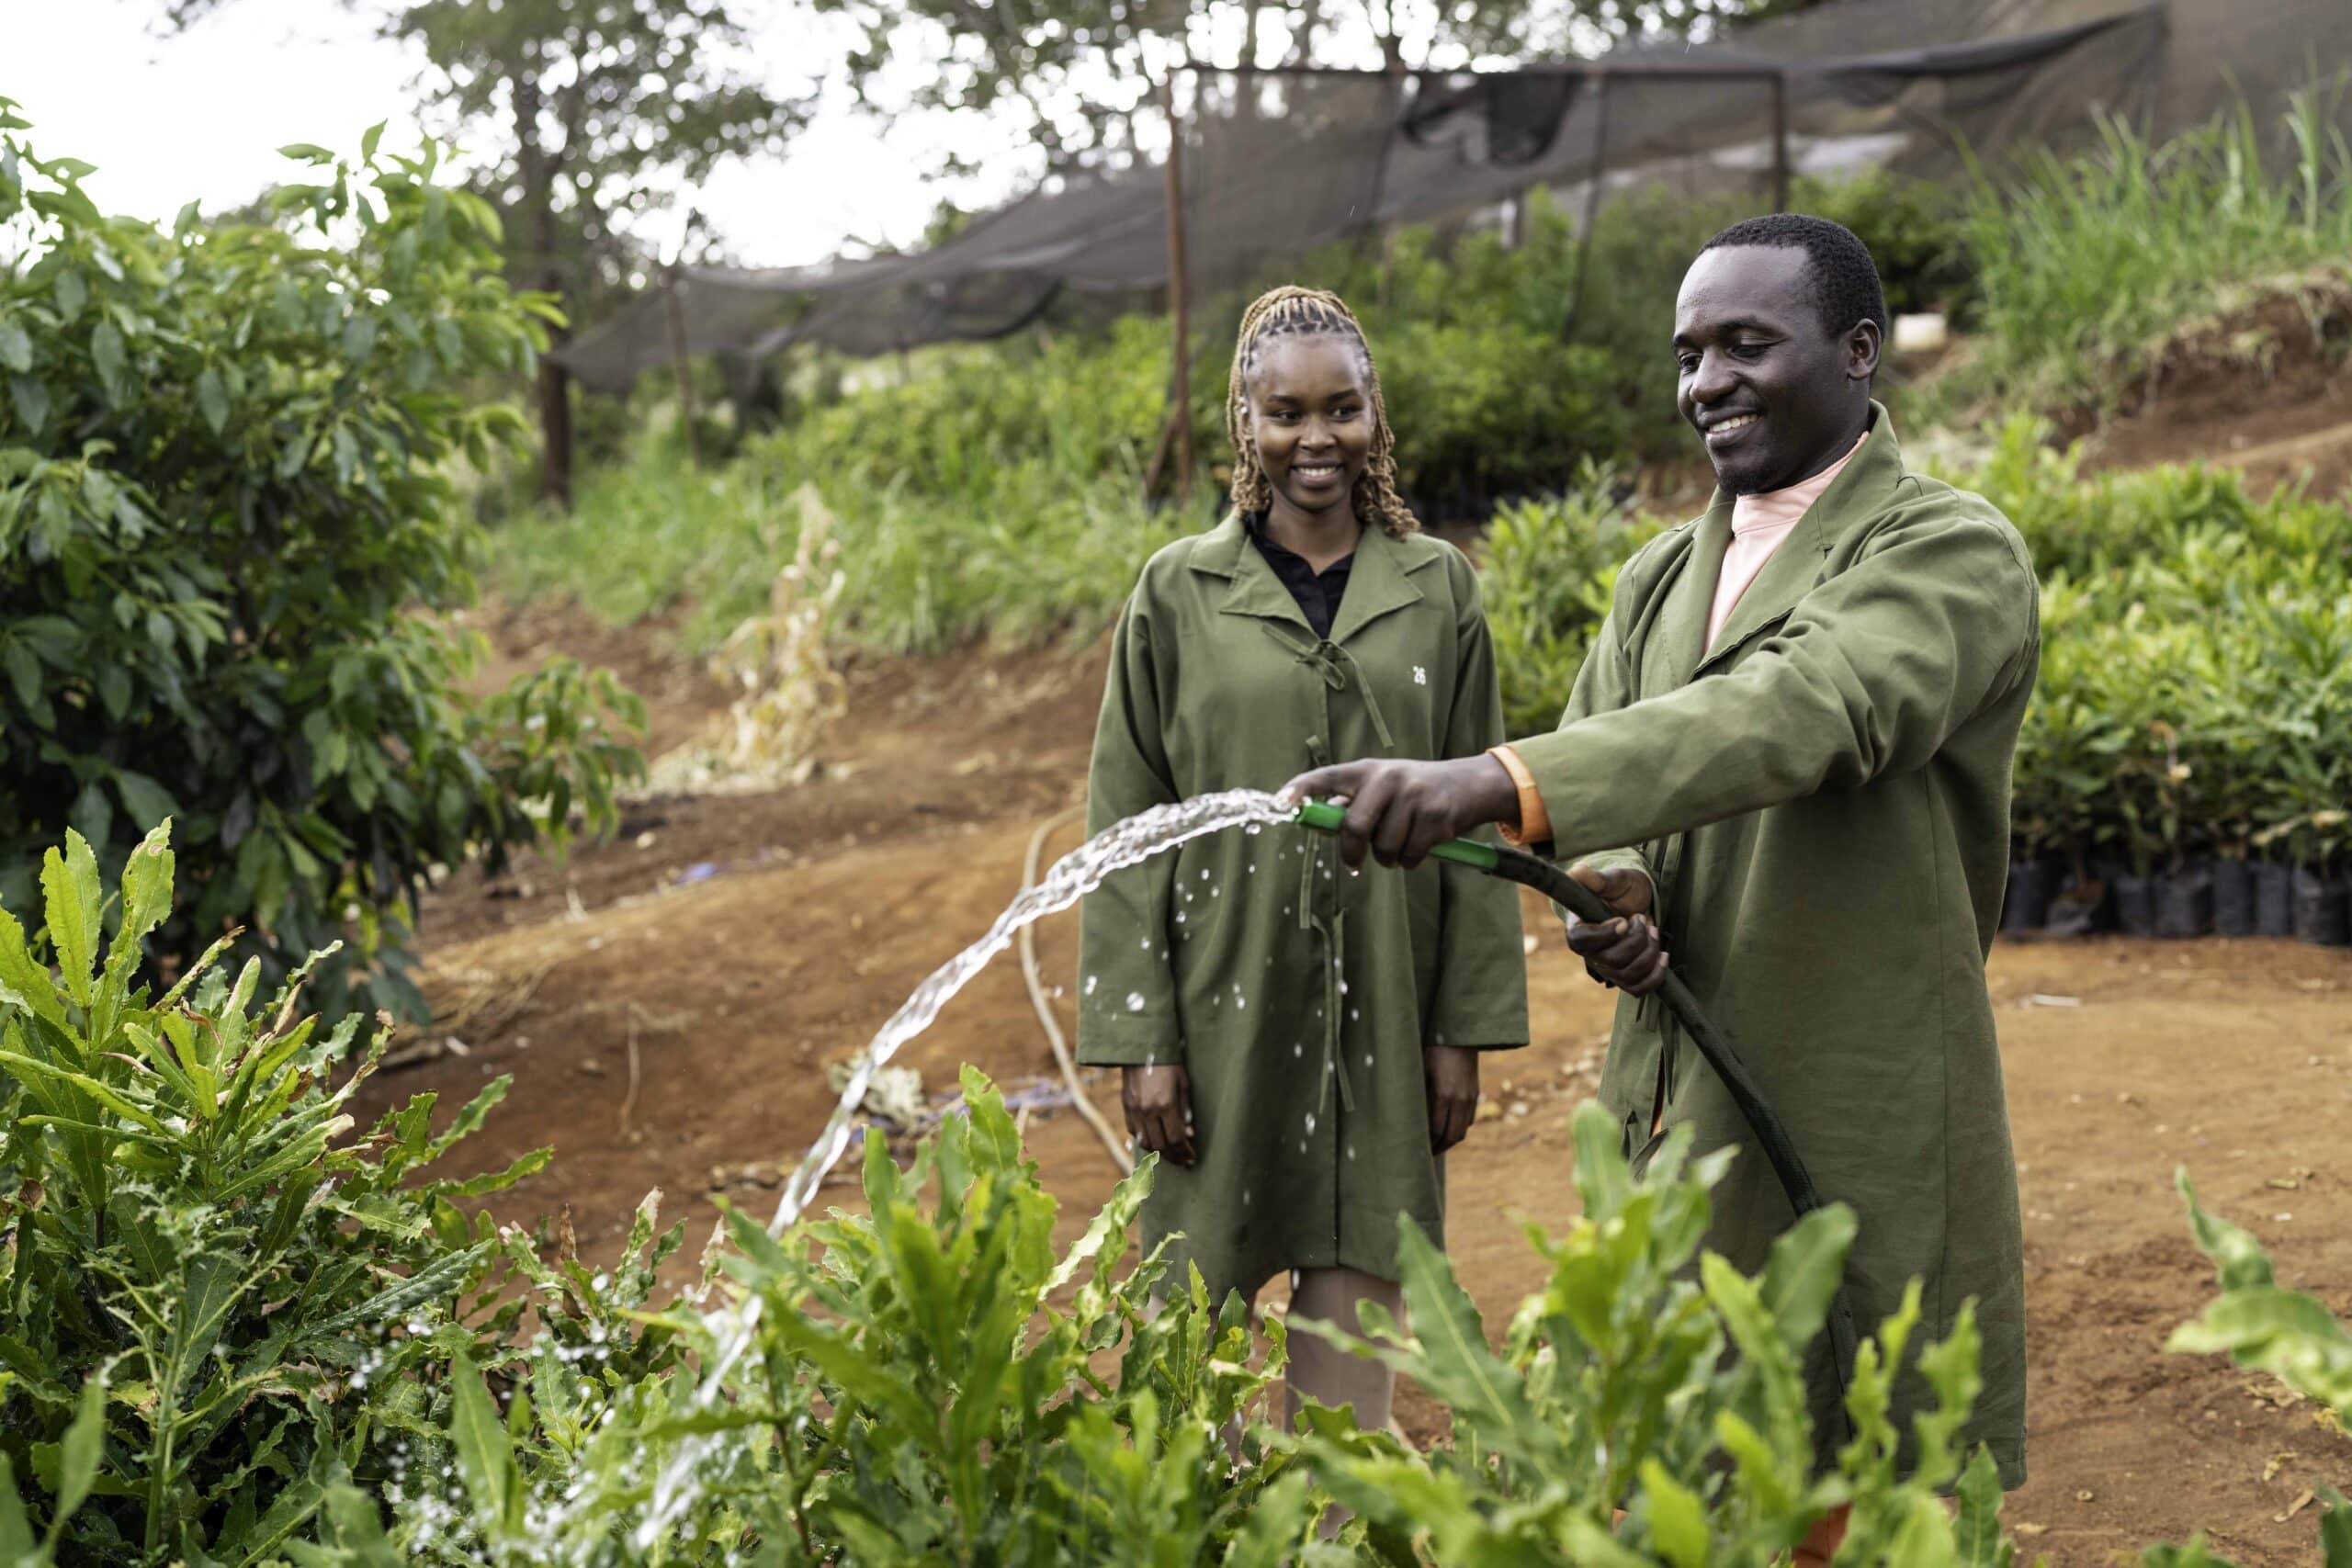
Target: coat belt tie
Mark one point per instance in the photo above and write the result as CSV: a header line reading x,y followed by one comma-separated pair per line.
x,y
1332,662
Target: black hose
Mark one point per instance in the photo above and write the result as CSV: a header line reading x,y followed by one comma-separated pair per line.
x,y
1556,884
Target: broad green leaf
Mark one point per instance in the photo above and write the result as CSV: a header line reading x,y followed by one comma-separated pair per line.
x,y
213,400
70,292
84,1445
69,885
369,137
16,1530
485,1457
1977,1522
306,152
16,347
31,398
110,358
147,801
25,982
1677,1519
1806,1266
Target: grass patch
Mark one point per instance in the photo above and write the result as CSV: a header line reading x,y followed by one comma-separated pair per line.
x,y
2090,267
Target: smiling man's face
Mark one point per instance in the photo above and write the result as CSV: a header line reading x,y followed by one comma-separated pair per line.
x,y
1775,394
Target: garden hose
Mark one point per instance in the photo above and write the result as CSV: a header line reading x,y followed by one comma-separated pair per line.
x,y
1555,884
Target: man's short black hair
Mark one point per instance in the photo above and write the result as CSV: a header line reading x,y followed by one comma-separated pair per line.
x,y
1845,288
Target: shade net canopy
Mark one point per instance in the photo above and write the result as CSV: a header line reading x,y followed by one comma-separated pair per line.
x,y
1277,164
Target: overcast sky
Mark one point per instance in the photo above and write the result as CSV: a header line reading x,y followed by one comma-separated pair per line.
x,y
199,116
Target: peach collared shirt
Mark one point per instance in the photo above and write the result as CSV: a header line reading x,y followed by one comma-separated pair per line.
x,y
1758,525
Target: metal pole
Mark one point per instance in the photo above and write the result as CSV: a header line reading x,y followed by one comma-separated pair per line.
x,y
1780,141
676,319
1595,179
1180,381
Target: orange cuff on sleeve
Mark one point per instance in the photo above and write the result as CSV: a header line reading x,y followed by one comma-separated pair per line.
x,y
1534,822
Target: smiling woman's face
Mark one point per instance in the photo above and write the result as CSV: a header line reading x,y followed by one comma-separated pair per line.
x,y
1310,419
1775,395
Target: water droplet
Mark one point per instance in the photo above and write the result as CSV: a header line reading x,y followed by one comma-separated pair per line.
x,y
1310,1122
1298,1050
1090,981
1135,1001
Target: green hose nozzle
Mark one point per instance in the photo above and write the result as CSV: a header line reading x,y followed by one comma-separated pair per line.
x,y
1324,817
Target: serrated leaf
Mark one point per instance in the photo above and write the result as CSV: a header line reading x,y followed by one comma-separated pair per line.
x,y
69,885
444,1276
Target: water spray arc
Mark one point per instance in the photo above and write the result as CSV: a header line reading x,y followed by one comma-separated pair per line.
x,y
1129,843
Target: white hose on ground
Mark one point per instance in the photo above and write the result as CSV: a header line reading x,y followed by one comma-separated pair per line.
x,y
1038,999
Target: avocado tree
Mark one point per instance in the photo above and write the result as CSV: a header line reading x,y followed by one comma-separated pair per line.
x,y
227,513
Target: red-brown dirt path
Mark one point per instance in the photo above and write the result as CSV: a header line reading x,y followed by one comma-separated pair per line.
x,y
744,941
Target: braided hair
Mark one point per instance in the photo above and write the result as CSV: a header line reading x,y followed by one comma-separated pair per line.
x,y
1310,313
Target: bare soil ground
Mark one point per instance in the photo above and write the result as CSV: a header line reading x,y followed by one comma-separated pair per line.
x,y
668,1004
2265,391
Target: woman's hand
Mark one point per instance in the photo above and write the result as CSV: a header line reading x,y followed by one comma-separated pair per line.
x,y
1158,1106
1453,1076
1629,952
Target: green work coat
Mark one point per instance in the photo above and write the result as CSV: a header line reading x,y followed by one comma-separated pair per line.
x,y
1822,803
1297,996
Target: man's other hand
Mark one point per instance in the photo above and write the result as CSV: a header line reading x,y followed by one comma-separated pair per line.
x,y
1627,951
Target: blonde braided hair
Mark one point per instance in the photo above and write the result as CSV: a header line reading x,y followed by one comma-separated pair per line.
x,y
1310,313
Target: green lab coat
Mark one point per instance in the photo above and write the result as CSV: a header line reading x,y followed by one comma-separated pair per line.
x,y
1822,803
1298,996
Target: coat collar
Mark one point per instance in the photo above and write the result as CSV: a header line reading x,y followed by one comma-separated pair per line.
x,y
1380,580
1859,493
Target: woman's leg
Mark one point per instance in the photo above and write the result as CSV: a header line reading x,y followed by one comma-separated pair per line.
x,y
1325,1374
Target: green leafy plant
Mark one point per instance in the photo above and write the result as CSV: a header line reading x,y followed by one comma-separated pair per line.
x,y
2267,1327
226,513
222,1310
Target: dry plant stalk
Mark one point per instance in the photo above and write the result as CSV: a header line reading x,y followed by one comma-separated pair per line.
x,y
788,690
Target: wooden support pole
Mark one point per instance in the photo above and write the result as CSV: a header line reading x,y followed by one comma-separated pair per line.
x,y
1780,141
1596,183
1180,381
676,317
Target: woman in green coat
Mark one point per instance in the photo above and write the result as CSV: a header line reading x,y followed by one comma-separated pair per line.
x,y
1299,1044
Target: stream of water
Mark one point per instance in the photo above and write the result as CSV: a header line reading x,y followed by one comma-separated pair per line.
x,y
1126,843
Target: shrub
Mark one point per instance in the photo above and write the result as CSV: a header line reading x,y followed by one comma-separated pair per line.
x,y
223,505
224,1312
1549,569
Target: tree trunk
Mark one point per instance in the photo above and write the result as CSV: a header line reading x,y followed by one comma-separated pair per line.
x,y
555,433
540,272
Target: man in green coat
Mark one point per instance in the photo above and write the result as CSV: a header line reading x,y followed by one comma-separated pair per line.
x,y
1789,748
